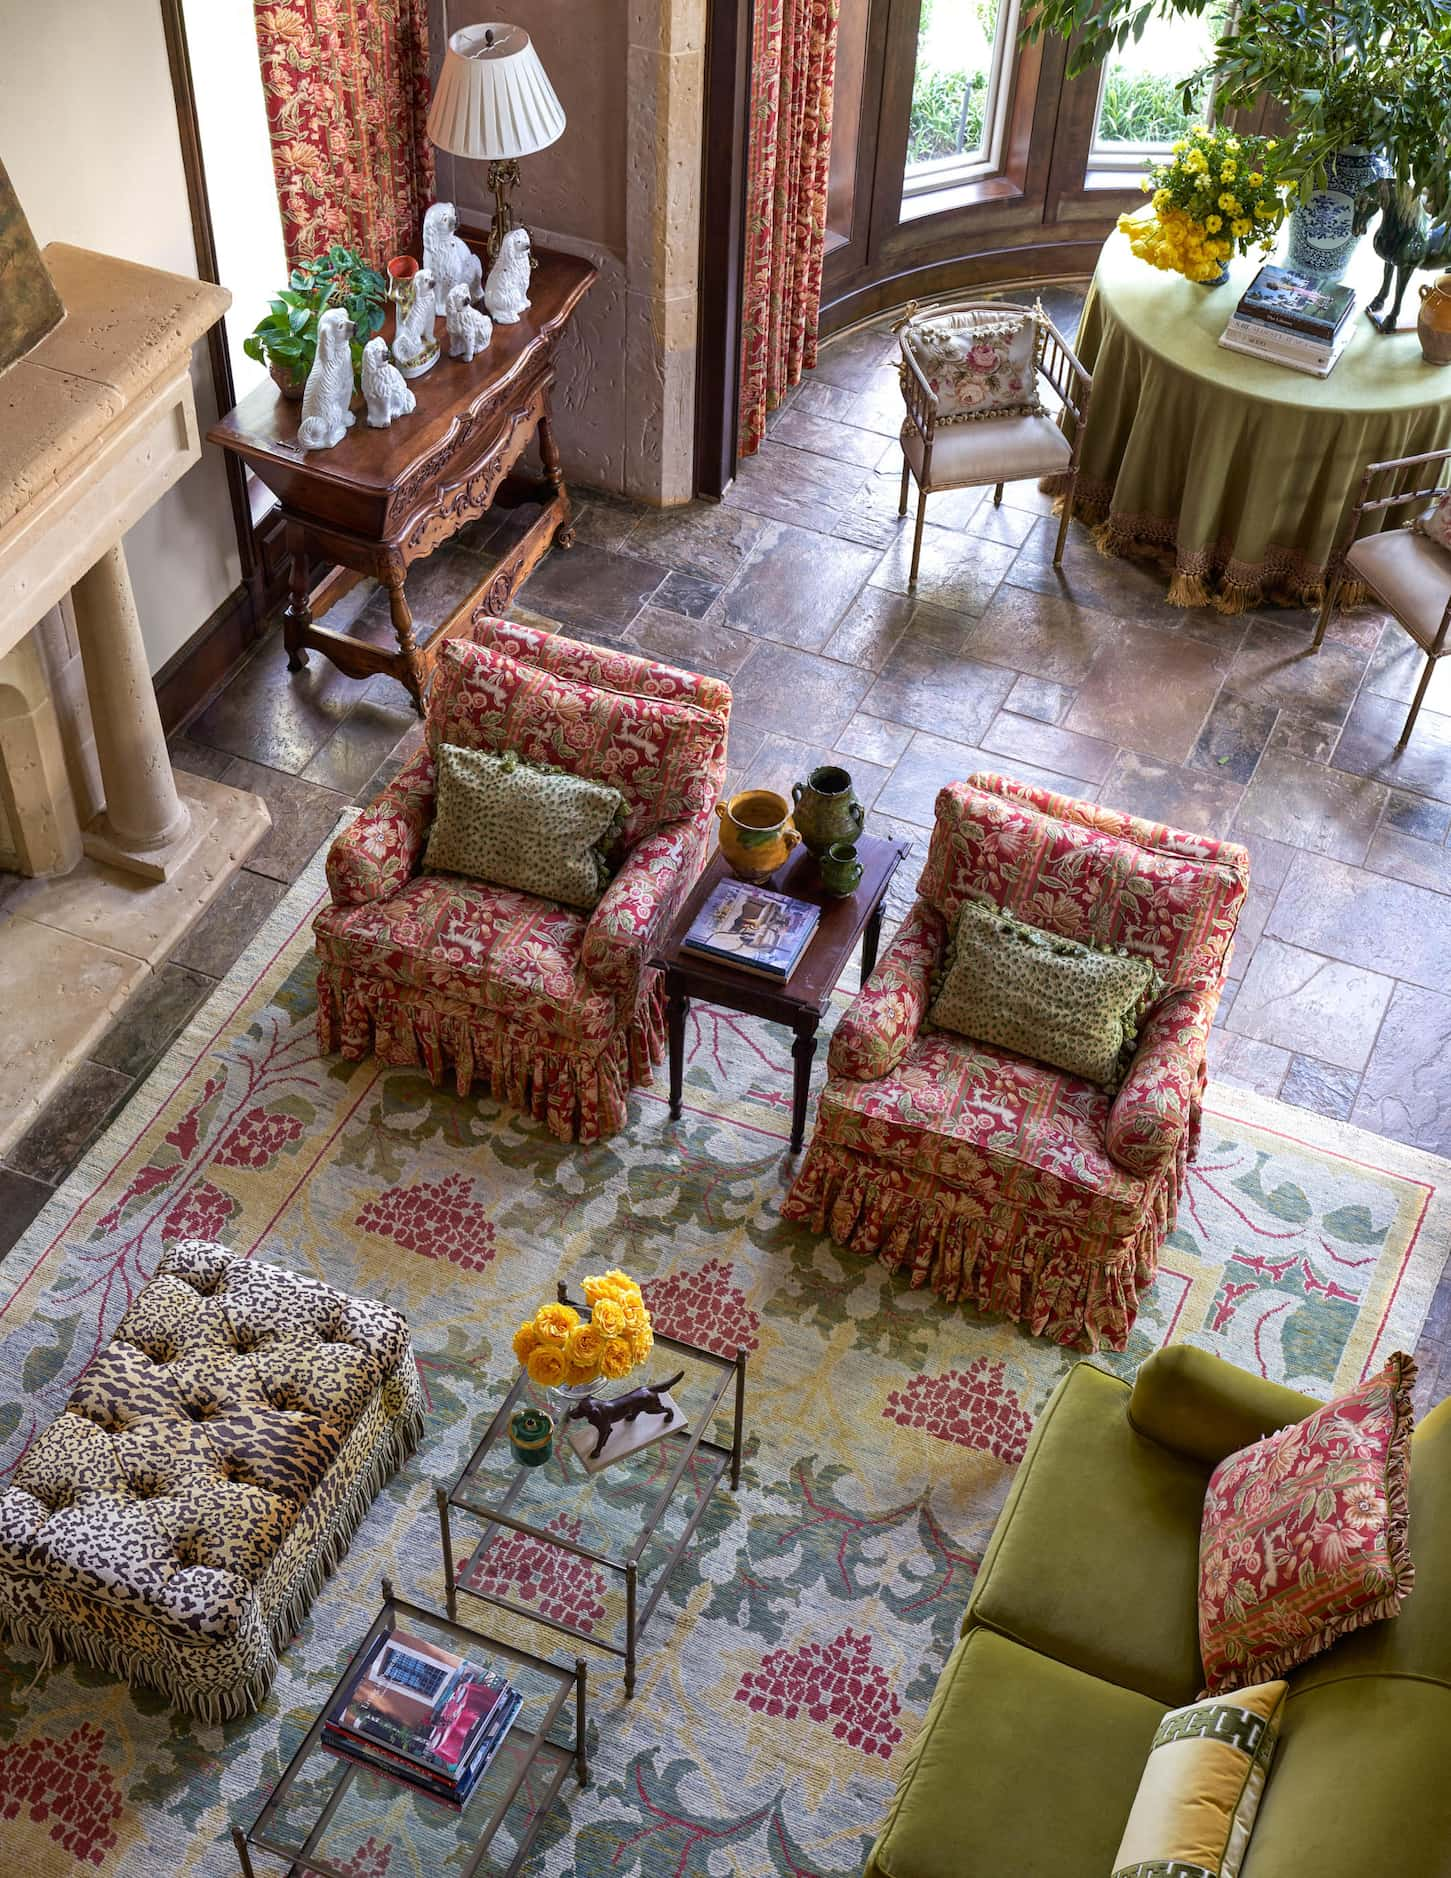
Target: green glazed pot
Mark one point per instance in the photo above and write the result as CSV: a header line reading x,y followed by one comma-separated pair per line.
x,y
531,1436
841,871
826,809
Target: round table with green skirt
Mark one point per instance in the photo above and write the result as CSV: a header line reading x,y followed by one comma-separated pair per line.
x,y
1239,474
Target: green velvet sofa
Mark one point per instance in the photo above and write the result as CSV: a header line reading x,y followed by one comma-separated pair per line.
x,y
1082,1630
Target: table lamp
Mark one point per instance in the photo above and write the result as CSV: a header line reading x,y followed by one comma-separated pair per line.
x,y
494,103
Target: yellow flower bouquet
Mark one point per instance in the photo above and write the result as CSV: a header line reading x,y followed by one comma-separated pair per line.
x,y
562,1349
1214,197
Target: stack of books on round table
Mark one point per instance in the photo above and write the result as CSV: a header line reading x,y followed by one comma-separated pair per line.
x,y
1292,319
424,1716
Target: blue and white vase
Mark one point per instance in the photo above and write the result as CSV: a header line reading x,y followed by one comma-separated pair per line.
x,y
1322,228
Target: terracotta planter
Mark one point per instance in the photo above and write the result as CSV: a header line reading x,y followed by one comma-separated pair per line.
x,y
289,382
1433,322
756,834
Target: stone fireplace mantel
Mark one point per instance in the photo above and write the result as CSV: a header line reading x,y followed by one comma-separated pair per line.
x,y
96,422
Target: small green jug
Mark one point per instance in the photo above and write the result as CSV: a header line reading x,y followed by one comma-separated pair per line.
x,y
841,871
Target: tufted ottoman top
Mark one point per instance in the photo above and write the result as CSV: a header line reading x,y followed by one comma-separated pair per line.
x,y
190,1444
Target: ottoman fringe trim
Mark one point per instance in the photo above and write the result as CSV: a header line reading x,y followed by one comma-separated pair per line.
x,y
60,1641
1057,1281
580,1090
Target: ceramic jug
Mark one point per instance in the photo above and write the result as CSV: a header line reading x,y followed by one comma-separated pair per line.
x,y
826,809
756,834
1433,322
841,871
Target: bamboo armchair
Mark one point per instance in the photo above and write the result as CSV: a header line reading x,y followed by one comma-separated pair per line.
x,y
1409,573
994,450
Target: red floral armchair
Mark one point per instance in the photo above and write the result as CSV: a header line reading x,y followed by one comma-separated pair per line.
x,y
995,1179
556,1010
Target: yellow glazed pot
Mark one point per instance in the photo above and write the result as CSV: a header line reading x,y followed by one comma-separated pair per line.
x,y
1433,322
756,834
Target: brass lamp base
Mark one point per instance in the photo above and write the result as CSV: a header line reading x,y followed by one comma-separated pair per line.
x,y
503,175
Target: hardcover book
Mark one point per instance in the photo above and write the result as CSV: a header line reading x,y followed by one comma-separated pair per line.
x,y
753,928
1297,301
1279,346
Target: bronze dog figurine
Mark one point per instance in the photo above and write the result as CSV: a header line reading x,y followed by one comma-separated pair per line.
x,y
603,1416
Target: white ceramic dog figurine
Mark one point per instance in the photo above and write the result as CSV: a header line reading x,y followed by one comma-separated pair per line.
x,y
414,345
447,256
506,291
328,395
384,391
469,331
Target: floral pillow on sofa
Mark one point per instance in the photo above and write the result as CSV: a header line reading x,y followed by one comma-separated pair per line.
x,y
1305,1534
979,363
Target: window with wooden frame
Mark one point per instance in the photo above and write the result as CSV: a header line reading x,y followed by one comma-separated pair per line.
x,y
960,90
1141,91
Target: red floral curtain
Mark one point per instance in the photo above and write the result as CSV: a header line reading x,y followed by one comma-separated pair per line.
x,y
793,73
347,104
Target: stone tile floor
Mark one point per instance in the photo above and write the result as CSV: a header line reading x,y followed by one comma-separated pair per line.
x,y
795,590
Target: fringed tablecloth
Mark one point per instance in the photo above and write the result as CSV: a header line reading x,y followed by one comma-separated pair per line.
x,y
1240,475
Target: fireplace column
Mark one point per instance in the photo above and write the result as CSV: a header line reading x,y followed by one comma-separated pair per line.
x,y
145,823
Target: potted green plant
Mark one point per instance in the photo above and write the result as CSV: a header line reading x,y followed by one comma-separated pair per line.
x,y
1362,86
285,340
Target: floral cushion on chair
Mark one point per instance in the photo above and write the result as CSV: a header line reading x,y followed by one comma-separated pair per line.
x,y
1051,999
979,363
661,755
1435,523
542,831
1304,1535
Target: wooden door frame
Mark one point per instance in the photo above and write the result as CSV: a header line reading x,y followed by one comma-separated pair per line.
x,y
724,157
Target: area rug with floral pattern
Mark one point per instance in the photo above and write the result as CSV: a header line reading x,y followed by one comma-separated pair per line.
x,y
789,1663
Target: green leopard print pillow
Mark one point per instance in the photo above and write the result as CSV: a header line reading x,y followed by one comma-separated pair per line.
x,y
1058,1001
521,825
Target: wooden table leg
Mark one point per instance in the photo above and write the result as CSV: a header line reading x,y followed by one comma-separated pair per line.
x,y
803,1050
549,457
297,614
415,669
872,938
677,1007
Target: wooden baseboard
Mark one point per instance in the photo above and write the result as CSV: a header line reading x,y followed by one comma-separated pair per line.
x,y
221,642
1063,257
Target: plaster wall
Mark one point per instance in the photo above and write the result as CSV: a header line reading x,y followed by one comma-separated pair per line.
x,y
89,133
622,186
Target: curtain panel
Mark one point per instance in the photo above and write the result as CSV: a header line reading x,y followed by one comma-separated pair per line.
x,y
793,72
347,91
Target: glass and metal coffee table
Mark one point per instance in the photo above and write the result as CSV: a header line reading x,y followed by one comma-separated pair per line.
x,y
325,1809
591,1554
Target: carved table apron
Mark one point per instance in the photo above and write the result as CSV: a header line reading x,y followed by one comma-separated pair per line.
x,y
383,499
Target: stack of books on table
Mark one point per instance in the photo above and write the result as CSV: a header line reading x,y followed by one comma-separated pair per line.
x,y
753,928
424,1716
1292,319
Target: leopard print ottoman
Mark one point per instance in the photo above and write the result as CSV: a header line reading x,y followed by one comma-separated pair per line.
x,y
174,1524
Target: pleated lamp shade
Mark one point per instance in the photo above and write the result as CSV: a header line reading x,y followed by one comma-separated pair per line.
x,y
492,99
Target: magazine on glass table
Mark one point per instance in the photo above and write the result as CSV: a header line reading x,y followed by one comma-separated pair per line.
x,y
753,929
423,1715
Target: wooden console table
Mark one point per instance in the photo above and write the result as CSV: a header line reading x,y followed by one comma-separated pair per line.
x,y
383,499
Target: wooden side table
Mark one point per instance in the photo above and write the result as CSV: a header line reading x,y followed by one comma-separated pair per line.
x,y
799,1001
383,499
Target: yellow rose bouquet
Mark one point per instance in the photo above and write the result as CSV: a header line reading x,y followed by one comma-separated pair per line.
x,y
561,1349
1214,197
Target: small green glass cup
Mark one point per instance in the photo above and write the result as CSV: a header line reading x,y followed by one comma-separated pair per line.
x,y
841,871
